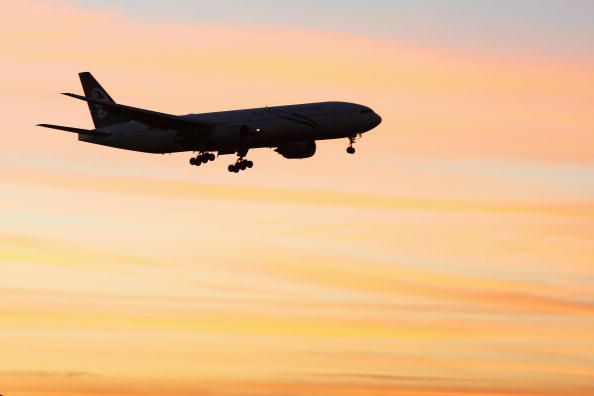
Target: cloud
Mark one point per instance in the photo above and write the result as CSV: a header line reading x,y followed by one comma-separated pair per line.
x,y
330,384
395,378
398,280
25,248
165,280
190,190
51,374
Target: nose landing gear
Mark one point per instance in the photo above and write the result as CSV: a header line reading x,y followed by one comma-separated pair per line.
x,y
351,149
241,165
202,158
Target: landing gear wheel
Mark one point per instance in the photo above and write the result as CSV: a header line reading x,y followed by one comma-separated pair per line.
x,y
211,157
352,139
204,159
192,161
240,165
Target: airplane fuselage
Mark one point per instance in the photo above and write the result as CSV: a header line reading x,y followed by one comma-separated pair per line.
x,y
259,127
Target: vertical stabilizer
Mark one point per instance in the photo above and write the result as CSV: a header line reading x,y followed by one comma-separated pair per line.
x,y
92,88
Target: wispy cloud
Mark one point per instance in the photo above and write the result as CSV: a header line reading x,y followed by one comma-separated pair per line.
x,y
454,256
143,186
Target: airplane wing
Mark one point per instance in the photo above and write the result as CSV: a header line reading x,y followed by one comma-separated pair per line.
x,y
76,130
152,118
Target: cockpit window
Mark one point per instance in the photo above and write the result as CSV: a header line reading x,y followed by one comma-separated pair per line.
x,y
366,110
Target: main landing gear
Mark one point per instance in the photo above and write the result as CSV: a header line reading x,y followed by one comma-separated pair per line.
x,y
202,158
240,165
351,149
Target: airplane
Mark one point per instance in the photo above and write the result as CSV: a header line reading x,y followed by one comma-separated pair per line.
x,y
292,131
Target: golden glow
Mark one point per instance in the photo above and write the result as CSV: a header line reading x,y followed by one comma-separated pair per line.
x,y
453,256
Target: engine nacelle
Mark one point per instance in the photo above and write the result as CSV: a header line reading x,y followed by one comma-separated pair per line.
x,y
297,150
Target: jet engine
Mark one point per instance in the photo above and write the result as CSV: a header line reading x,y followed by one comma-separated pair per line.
x,y
297,150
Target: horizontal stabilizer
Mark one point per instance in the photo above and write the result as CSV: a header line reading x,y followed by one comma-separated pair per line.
x,y
148,117
87,132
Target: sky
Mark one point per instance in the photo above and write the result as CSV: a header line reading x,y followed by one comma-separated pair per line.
x,y
454,254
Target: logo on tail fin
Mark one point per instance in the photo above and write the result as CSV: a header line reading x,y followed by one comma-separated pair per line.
x,y
102,117
98,93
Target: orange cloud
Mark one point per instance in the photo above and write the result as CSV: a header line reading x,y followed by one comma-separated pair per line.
x,y
124,273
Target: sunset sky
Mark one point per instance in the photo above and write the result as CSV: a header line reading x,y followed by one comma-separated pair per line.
x,y
454,254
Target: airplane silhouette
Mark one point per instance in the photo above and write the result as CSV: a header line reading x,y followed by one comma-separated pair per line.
x,y
292,131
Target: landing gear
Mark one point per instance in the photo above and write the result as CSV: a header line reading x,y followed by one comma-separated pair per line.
x,y
202,158
240,165
351,149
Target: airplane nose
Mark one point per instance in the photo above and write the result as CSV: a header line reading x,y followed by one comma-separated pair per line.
x,y
378,120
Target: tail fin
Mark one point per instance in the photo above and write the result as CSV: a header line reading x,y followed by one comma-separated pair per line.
x,y
101,117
